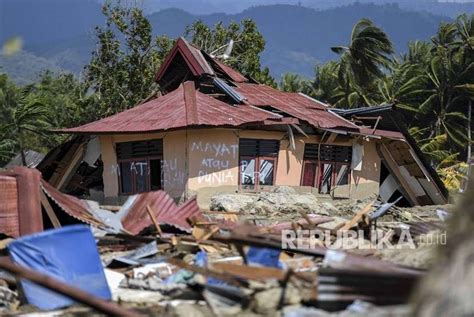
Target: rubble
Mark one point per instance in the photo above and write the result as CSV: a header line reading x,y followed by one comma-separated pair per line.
x,y
282,200
155,257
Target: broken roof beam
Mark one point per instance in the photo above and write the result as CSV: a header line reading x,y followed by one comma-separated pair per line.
x,y
395,171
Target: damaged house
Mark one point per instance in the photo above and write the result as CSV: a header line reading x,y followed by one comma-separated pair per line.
x,y
215,130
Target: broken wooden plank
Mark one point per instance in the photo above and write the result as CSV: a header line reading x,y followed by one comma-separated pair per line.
x,y
357,217
153,219
49,210
394,169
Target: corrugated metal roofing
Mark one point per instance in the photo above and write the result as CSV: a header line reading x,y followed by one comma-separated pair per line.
x,y
294,104
232,73
178,109
163,208
73,206
9,222
32,158
185,107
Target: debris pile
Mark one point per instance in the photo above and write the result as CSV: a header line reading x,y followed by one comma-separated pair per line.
x,y
152,256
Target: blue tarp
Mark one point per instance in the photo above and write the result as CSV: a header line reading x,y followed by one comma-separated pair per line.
x,y
263,257
68,254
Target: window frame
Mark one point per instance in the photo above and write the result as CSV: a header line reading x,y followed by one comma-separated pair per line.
x,y
133,175
256,172
318,173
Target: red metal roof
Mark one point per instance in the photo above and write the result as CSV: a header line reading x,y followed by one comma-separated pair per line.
x,y
232,73
294,104
9,222
180,108
193,57
186,107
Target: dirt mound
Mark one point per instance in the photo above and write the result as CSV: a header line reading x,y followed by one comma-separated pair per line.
x,y
282,200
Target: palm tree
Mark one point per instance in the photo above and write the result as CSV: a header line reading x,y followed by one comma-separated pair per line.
x,y
28,118
22,116
435,84
363,60
291,82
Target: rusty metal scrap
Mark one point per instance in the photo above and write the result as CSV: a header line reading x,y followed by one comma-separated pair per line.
x,y
164,210
9,222
73,206
27,217
338,288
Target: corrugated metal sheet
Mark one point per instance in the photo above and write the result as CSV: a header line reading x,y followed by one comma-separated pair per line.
x,y
20,216
339,288
294,104
9,223
32,158
233,74
164,209
29,201
229,91
135,215
171,111
71,205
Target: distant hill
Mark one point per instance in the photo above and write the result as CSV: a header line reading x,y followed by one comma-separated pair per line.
x,y
448,8
61,31
24,67
298,37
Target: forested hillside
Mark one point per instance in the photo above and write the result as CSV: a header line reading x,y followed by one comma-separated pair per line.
x,y
61,32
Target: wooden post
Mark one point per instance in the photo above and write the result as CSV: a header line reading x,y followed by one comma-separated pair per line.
x,y
153,219
469,137
49,210
394,169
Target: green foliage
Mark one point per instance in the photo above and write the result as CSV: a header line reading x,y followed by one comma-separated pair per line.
x,y
292,83
361,63
123,67
24,119
435,87
29,113
248,45
432,83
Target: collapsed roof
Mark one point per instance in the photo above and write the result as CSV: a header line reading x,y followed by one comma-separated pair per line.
x,y
202,91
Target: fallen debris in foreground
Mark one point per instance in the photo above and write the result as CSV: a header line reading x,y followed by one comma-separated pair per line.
x,y
153,257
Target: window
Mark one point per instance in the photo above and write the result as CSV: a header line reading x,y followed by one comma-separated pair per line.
x,y
258,160
326,166
139,166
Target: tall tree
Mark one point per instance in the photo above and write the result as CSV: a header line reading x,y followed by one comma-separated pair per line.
x,y
248,44
123,66
291,82
362,61
24,120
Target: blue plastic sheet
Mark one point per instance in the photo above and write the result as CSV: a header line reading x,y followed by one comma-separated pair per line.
x,y
202,260
68,254
263,257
